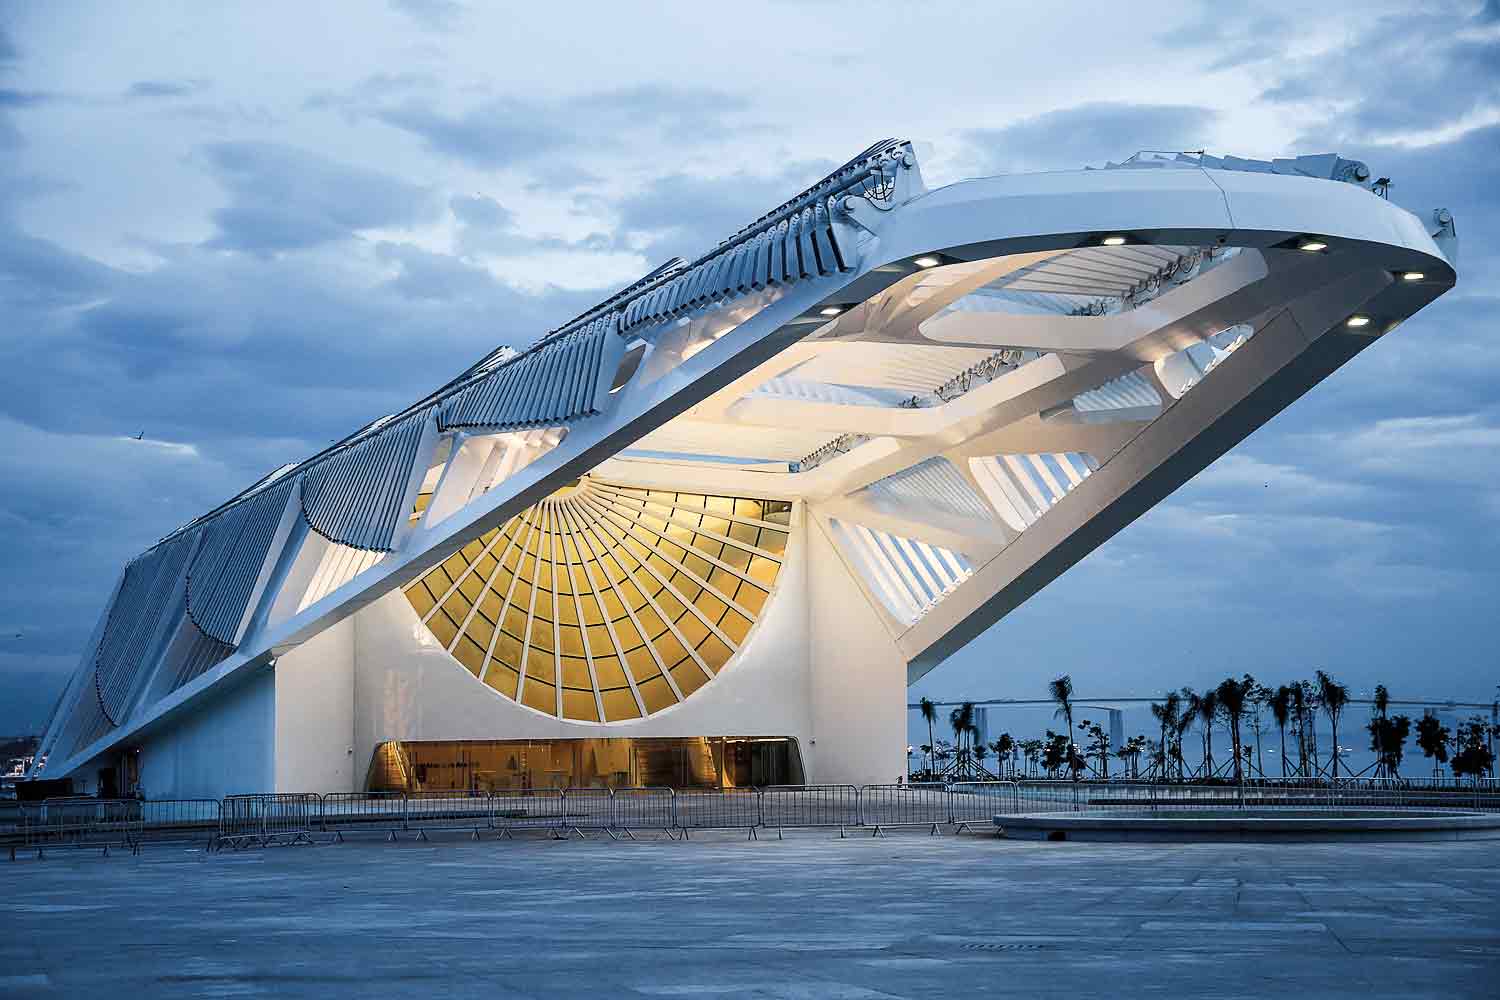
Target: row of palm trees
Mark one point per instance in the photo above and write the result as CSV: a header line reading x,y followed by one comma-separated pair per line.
x,y
1238,706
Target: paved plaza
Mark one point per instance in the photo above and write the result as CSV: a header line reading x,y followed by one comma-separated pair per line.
x,y
812,916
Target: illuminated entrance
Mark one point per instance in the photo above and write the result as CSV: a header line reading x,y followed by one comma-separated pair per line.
x,y
671,762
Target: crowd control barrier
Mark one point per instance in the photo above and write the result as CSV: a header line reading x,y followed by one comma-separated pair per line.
x,y
282,818
263,820
80,822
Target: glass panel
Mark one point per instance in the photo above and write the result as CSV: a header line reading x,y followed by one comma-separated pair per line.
x,y
516,593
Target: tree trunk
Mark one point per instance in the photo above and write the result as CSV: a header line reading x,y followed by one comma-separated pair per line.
x,y
1283,750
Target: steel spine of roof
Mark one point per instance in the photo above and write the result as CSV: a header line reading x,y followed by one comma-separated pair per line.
x,y
148,588
554,383
222,576
356,496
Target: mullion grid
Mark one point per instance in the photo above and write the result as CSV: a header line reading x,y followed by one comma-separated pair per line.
x,y
613,543
505,607
609,565
616,650
620,552
689,604
680,567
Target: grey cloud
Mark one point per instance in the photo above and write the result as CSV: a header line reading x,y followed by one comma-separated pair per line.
x,y
506,131
437,15
1087,134
686,215
436,276
285,198
495,134
23,98
481,210
165,88
1413,70
35,272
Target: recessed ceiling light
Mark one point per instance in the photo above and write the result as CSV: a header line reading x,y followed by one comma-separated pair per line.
x,y
927,262
1355,322
829,311
1413,276
1114,241
1312,246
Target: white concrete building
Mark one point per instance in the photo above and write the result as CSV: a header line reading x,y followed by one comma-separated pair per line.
x,y
709,531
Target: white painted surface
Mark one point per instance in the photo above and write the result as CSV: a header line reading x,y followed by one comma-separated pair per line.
x,y
857,681
223,748
315,715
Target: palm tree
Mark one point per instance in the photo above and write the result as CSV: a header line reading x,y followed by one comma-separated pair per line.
x,y
1382,703
1232,696
1254,709
1185,719
1281,711
1208,711
1334,697
962,721
1165,713
1432,737
1061,690
929,716
1299,713
1005,749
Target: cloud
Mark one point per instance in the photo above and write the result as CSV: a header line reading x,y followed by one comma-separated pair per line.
x,y
152,89
1087,134
435,15
506,131
8,50
1438,68
481,211
686,215
1450,450
283,198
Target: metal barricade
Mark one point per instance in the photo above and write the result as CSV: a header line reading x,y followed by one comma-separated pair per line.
x,y
920,804
981,801
168,820
784,806
643,809
716,809
351,812
288,818
448,810
531,809
587,809
82,822
1046,796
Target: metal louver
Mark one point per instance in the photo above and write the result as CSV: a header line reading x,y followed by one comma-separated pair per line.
x,y
357,496
221,579
145,595
563,379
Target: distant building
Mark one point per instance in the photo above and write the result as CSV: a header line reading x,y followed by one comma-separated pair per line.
x,y
707,532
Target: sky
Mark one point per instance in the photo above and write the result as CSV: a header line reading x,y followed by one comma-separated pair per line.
x,y
243,230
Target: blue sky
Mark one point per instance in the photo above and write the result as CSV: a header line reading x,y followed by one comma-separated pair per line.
x,y
245,230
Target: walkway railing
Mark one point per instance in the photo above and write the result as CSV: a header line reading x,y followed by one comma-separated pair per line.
x,y
262,820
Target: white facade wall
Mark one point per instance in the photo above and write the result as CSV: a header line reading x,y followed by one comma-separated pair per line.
x,y
226,747
315,714
409,688
858,689
819,665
